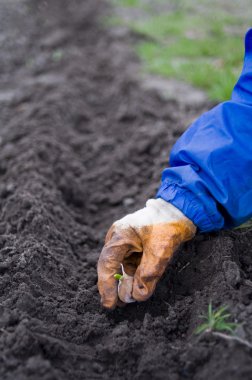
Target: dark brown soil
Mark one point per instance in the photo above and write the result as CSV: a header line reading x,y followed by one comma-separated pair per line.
x,y
82,145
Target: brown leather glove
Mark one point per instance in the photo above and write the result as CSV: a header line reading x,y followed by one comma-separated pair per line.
x,y
144,243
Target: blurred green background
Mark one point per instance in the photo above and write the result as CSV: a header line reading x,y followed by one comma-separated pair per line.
x,y
199,42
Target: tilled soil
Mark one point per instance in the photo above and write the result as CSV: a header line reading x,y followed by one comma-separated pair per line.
x,y
82,144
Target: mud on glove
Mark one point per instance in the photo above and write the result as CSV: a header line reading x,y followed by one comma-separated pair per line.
x,y
144,243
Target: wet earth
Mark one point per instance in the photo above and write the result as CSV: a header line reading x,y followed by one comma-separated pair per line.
x,y
82,143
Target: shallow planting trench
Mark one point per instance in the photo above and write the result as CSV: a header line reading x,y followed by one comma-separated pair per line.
x,y
81,145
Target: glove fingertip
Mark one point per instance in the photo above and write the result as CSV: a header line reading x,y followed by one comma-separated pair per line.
x,y
108,291
108,303
140,292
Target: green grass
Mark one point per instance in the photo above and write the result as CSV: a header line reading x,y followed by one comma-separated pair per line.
x,y
245,225
201,48
126,3
181,47
203,63
179,23
216,321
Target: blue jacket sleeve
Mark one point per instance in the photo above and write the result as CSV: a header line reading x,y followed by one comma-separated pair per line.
x,y
210,178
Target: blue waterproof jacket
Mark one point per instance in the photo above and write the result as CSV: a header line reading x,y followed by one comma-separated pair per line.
x,y
210,178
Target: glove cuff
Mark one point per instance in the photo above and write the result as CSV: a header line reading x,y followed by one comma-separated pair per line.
x,y
165,210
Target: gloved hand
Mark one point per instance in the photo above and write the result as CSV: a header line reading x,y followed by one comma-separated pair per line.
x,y
144,243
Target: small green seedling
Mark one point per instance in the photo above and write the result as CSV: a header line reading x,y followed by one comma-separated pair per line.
x,y
248,224
57,55
118,276
216,320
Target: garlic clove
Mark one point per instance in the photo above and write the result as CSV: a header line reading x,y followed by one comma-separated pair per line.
x,y
125,287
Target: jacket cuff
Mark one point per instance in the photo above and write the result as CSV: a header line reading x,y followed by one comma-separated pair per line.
x,y
191,206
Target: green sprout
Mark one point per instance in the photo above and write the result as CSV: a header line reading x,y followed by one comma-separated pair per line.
x,y
57,55
216,320
216,323
118,276
247,224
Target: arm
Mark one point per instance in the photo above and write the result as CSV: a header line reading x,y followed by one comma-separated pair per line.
x,y
210,178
